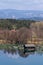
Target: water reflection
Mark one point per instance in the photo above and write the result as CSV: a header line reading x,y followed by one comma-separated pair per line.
x,y
39,50
24,53
15,53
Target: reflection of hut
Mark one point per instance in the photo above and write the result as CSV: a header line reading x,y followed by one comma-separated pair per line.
x,y
24,53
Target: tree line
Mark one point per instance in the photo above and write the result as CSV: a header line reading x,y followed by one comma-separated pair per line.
x,y
14,24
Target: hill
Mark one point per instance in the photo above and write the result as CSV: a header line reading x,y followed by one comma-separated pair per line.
x,y
21,14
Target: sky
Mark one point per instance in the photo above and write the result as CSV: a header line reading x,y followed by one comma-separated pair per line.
x,y
22,4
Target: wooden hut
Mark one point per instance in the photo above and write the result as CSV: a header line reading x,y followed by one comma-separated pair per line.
x,y
29,47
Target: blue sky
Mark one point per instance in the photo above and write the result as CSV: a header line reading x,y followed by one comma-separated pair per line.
x,y
22,4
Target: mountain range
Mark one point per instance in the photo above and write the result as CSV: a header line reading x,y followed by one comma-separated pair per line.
x,y
21,14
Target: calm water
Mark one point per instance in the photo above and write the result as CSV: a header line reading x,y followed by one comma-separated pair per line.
x,y
15,57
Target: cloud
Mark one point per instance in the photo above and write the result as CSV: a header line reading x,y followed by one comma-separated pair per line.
x,y
30,14
41,15
22,4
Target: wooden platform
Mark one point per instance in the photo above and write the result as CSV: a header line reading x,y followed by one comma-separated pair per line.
x,y
29,47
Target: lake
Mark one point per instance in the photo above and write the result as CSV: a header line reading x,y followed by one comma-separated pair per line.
x,y
19,57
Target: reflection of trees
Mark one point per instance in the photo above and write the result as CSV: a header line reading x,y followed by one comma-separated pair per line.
x,y
39,49
12,51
